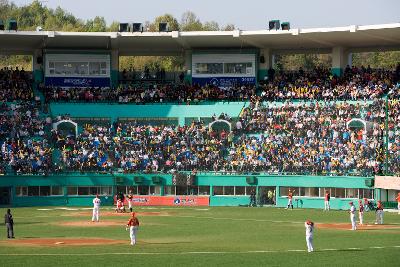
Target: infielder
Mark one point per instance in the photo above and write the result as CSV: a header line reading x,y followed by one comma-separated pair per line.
x,y
398,201
379,213
327,199
96,207
133,226
361,212
290,199
352,212
309,235
130,200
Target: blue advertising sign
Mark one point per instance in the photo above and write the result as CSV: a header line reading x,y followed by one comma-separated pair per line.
x,y
223,81
77,82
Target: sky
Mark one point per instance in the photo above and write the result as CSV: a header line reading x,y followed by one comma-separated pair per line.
x,y
245,15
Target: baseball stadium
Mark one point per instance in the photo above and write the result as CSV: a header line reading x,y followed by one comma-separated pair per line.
x,y
166,144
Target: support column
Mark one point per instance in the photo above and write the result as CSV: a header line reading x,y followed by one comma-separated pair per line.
x,y
114,75
188,66
37,67
340,58
265,62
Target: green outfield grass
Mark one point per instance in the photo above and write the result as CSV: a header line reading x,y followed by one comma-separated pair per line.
x,y
215,236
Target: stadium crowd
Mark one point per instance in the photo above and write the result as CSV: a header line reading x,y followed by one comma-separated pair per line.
x,y
285,136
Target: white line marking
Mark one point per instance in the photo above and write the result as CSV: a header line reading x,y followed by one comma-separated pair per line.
x,y
182,253
377,247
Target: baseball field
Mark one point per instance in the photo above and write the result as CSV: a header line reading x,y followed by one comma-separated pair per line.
x,y
213,236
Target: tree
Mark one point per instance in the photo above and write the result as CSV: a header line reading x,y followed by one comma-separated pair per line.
x,y
190,22
229,27
168,18
98,24
211,26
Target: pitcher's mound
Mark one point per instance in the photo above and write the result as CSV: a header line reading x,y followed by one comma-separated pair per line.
x,y
53,242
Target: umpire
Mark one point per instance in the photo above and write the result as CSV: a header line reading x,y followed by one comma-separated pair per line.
x,y
9,221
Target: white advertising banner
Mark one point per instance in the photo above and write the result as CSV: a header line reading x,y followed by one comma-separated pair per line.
x,y
387,182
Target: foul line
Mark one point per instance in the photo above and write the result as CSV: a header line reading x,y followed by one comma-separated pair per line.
x,y
190,252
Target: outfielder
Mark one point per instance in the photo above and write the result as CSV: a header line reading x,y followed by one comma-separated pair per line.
x,y
327,199
309,235
352,212
96,207
379,213
361,212
398,201
290,199
133,226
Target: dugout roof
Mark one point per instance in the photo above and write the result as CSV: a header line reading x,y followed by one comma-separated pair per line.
x,y
368,38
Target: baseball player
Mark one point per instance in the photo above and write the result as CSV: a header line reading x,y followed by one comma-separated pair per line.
x,y
133,226
130,200
352,212
290,199
96,207
361,212
120,206
398,201
379,213
327,199
309,235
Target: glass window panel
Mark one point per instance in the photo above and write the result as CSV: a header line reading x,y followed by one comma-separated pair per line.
x,y
238,68
155,190
240,190
339,192
33,190
121,189
300,192
105,190
181,190
45,191
218,190
249,189
83,191
229,190
283,191
193,190
94,68
204,190
132,189
169,190
209,68
143,190
367,193
93,190
351,193
313,192
57,191
72,190
21,191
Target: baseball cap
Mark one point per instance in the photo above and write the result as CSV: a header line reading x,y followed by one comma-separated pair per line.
x,y
133,214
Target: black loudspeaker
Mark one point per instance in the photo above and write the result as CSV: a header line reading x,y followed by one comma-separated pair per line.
x,y
12,25
251,180
137,27
1,25
369,182
163,27
274,25
123,27
39,60
262,59
285,26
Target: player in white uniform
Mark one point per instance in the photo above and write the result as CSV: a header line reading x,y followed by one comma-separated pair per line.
x,y
352,212
130,200
96,207
309,235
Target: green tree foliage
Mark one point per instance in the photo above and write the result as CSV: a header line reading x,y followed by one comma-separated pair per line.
x,y
168,18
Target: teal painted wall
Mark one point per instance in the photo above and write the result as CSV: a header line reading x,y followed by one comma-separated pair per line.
x,y
114,111
114,78
261,74
337,71
202,179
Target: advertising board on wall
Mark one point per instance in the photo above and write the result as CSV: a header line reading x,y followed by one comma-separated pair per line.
x,y
138,200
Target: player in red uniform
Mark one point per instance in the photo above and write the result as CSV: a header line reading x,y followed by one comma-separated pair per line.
x,y
120,206
133,226
290,199
361,212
